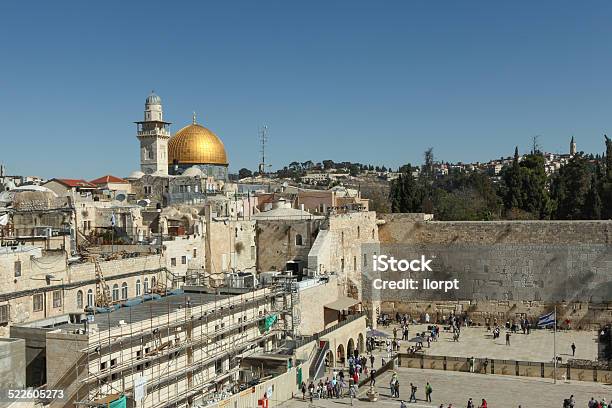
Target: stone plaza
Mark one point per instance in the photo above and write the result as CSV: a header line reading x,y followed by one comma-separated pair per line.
x,y
457,387
537,346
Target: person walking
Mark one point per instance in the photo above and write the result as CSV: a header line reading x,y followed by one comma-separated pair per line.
x,y
573,349
470,403
428,391
507,338
413,390
472,363
483,404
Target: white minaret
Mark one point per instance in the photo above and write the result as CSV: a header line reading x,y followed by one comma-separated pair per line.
x,y
572,147
153,134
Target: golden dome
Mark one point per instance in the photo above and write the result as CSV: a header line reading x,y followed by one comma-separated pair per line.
x,y
195,144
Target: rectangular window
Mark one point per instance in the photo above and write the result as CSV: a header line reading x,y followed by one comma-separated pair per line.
x,y
183,259
365,259
195,253
354,263
172,261
148,190
252,251
57,298
37,302
4,314
17,269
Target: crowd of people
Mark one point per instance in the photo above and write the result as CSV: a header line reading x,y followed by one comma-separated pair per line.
x,y
342,384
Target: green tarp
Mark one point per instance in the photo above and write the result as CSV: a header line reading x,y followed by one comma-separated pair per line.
x,y
267,323
299,376
120,403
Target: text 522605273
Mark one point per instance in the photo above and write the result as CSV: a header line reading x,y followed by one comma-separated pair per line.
x,y
29,394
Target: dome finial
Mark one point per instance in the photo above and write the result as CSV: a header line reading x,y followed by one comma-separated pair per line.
x,y
194,118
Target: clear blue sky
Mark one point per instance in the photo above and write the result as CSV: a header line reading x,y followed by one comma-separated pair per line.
x,y
374,82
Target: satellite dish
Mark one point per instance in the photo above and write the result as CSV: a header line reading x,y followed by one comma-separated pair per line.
x,y
120,197
285,184
144,203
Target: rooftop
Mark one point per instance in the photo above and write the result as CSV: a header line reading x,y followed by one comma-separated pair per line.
x,y
108,179
136,313
73,183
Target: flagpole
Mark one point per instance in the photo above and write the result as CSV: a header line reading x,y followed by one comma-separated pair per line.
x,y
555,347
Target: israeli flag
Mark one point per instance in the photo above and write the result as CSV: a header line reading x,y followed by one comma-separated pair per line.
x,y
547,320
113,219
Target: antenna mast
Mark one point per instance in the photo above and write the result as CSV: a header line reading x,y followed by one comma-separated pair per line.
x,y
263,138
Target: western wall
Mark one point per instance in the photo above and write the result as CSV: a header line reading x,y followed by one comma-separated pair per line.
x,y
507,269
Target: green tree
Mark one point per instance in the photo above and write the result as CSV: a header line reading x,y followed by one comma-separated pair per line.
x,y
244,173
592,209
405,194
525,186
605,188
570,187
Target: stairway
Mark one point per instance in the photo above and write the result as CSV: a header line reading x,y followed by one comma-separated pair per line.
x,y
317,367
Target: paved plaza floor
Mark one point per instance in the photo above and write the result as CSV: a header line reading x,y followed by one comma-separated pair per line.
x,y
457,387
479,343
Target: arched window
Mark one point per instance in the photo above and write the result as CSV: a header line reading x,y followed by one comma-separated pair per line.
x,y
372,233
124,291
146,285
298,240
115,292
152,282
80,299
138,287
90,298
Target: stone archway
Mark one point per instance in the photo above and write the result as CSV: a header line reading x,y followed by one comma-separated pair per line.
x,y
350,347
340,355
360,344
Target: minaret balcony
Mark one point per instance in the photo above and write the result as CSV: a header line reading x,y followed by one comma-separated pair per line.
x,y
153,132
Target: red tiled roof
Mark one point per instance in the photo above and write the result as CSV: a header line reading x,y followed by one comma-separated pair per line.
x,y
108,179
74,183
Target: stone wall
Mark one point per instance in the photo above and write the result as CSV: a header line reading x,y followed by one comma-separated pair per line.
x,y
12,363
310,308
231,246
63,350
507,269
415,229
350,231
277,245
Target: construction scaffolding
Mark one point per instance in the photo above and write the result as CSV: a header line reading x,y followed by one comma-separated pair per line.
x,y
186,347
